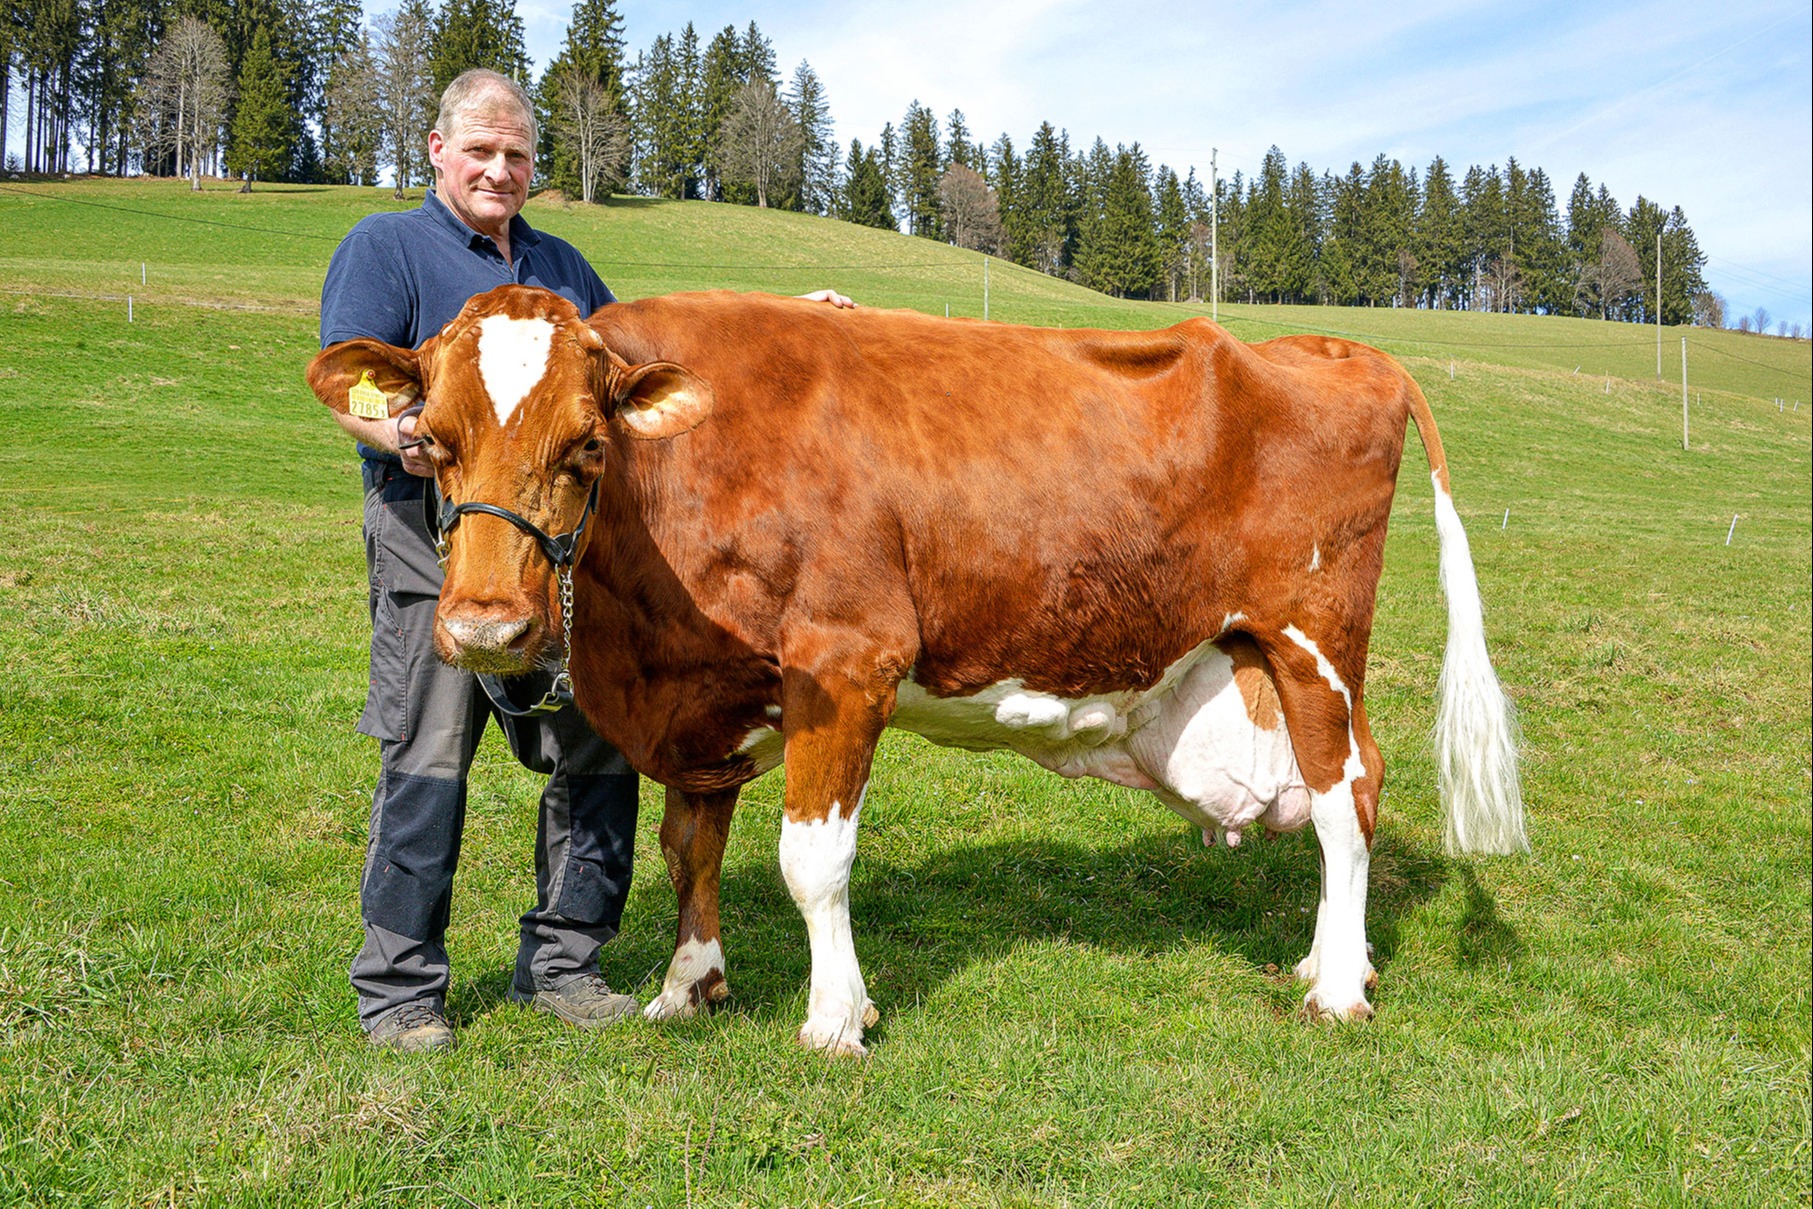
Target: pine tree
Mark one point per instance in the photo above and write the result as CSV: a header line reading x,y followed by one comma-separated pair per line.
x,y
667,120
724,74
590,64
1541,252
1438,236
865,191
1048,207
1643,228
477,33
888,149
957,146
817,174
1005,176
1683,264
1117,249
1174,222
1344,252
264,127
1303,205
923,169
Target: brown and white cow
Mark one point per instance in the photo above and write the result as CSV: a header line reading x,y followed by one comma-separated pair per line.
x,y
1147,557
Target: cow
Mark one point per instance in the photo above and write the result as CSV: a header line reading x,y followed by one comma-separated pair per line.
x,y
754,531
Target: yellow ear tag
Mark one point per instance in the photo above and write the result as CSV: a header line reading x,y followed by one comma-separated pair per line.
x,y
366,401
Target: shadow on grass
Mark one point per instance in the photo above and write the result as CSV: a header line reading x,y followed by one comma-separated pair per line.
x,y
1485,939
920,924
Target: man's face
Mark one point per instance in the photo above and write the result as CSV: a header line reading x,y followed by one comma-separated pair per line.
x,y
484,167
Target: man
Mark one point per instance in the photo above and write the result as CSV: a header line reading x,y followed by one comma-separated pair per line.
x,y
399,278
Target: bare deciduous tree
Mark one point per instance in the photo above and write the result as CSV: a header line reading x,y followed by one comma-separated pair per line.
x,y
182,97
588,122
352,129
1617,273
761,140
972,217
406,97
1708,309
1760,319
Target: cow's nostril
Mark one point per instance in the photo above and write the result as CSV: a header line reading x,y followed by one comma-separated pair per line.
x,y
485,635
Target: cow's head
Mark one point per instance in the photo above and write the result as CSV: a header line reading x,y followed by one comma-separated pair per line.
x,y
523,405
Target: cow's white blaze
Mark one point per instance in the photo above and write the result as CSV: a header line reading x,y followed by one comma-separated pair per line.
x,y
815,861
692,961
512,359
1338,965
1189,739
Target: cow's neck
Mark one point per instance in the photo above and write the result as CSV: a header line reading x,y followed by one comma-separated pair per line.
x,y
671,688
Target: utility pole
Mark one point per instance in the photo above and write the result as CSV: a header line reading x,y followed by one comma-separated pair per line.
x,y
1658,304
1214,239
1683,392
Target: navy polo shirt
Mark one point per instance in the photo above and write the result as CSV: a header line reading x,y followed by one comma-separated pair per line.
x,y
400,277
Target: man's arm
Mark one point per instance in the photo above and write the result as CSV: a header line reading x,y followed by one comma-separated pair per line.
x,y
390,436
365,294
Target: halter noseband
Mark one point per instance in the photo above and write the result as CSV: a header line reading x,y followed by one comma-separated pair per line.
x,y
560,552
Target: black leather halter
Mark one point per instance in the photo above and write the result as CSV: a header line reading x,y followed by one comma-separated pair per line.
x,y
560,550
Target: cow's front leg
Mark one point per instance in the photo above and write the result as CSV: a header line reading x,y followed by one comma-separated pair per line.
x,y
832,726
693,832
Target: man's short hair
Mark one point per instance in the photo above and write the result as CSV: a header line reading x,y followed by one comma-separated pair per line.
x,y
478,90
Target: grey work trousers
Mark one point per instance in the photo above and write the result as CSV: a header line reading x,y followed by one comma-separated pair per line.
x,y
428,719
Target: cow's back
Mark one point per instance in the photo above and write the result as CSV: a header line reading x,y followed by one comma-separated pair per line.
x,y
1074,509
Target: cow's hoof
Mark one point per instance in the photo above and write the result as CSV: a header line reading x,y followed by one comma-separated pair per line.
x,y
838,1036
1324,1005
686,1001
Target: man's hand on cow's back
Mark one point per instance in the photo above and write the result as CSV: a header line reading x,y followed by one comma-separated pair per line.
x,y
830,296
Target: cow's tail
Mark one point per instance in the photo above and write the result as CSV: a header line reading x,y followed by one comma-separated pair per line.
x,y
1475,724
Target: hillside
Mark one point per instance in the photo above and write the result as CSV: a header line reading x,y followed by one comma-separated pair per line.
x,y
1080,1004
269,249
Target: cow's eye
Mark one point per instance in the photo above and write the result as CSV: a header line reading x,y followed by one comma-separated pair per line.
x,y
591,446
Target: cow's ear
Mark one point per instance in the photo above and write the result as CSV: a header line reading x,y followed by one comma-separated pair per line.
x,y
366,378
659,399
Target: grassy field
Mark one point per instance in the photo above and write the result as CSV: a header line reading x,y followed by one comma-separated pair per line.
x,y
1080,1005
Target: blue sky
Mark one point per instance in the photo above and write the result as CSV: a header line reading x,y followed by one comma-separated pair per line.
x,y
1704,106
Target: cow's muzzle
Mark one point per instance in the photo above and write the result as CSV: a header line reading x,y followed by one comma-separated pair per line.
x,y
490,646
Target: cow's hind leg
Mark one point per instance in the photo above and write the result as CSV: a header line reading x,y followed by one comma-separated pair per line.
x,y
1341,765
832,725
693,832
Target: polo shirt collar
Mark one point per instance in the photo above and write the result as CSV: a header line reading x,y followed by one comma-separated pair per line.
x,y
522,235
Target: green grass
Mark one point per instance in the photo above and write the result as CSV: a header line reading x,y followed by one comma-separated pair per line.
x,y
1081,1006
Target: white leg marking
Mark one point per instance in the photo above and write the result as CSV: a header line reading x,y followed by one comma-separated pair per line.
x,y
815,860
1338,967
512,357
692,961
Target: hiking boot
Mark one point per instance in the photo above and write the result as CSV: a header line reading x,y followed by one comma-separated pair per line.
x,y
584,999
414,1028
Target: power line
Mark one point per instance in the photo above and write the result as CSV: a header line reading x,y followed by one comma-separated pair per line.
x,y
205,222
